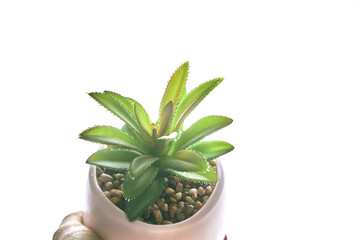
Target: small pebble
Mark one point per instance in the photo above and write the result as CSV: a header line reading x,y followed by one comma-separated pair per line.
x,y
172,210
190,200
180,216
213,162
119,176
107,194
201,191
164,207
117,193
198,205
158,216
108,186
169,191
180,206
209,189
178,196
179,187
160,201
115,200
166,222
154,207
172,199
116,184
188,209
193,192
105,178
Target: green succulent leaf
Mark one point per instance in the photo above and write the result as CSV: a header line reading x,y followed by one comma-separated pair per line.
x,y
163,146
135,207
110,136
201,129
143,119
213,149
191,101
117,158
208,175
186,160
140,164
118,109
126,102
175,89
134,187
132,133
165,119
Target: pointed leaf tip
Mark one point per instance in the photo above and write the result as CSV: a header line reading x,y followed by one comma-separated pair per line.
x,y
201,129
213,149
175,89
110,136
208,176
118,109
191,100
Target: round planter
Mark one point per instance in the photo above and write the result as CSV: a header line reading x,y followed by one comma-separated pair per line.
x,y
110,222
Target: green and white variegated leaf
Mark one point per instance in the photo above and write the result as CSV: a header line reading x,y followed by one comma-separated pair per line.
x,y
140,164
135,207
186,160
111,136
191,100
143,119
134,187
208,176
201,129
118,110
175,89
117,158
213,149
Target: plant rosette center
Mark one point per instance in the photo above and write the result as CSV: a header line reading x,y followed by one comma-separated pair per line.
x,y
179,200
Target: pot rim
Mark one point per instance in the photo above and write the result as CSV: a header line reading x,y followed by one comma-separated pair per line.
x,y
117,212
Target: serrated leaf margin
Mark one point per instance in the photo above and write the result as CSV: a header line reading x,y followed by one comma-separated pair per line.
x,y
157,192
178,174
143,187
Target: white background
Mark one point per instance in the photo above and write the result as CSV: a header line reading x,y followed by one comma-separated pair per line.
x,y
292,72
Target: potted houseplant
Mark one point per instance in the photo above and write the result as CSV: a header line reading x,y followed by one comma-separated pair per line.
x,y
157,180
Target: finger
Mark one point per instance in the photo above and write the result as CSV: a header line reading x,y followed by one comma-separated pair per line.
x,y
72,228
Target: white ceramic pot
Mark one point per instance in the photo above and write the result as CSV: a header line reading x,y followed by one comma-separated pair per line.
x,y
110,222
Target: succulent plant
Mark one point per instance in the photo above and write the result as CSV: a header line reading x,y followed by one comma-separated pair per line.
x,y
150,151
